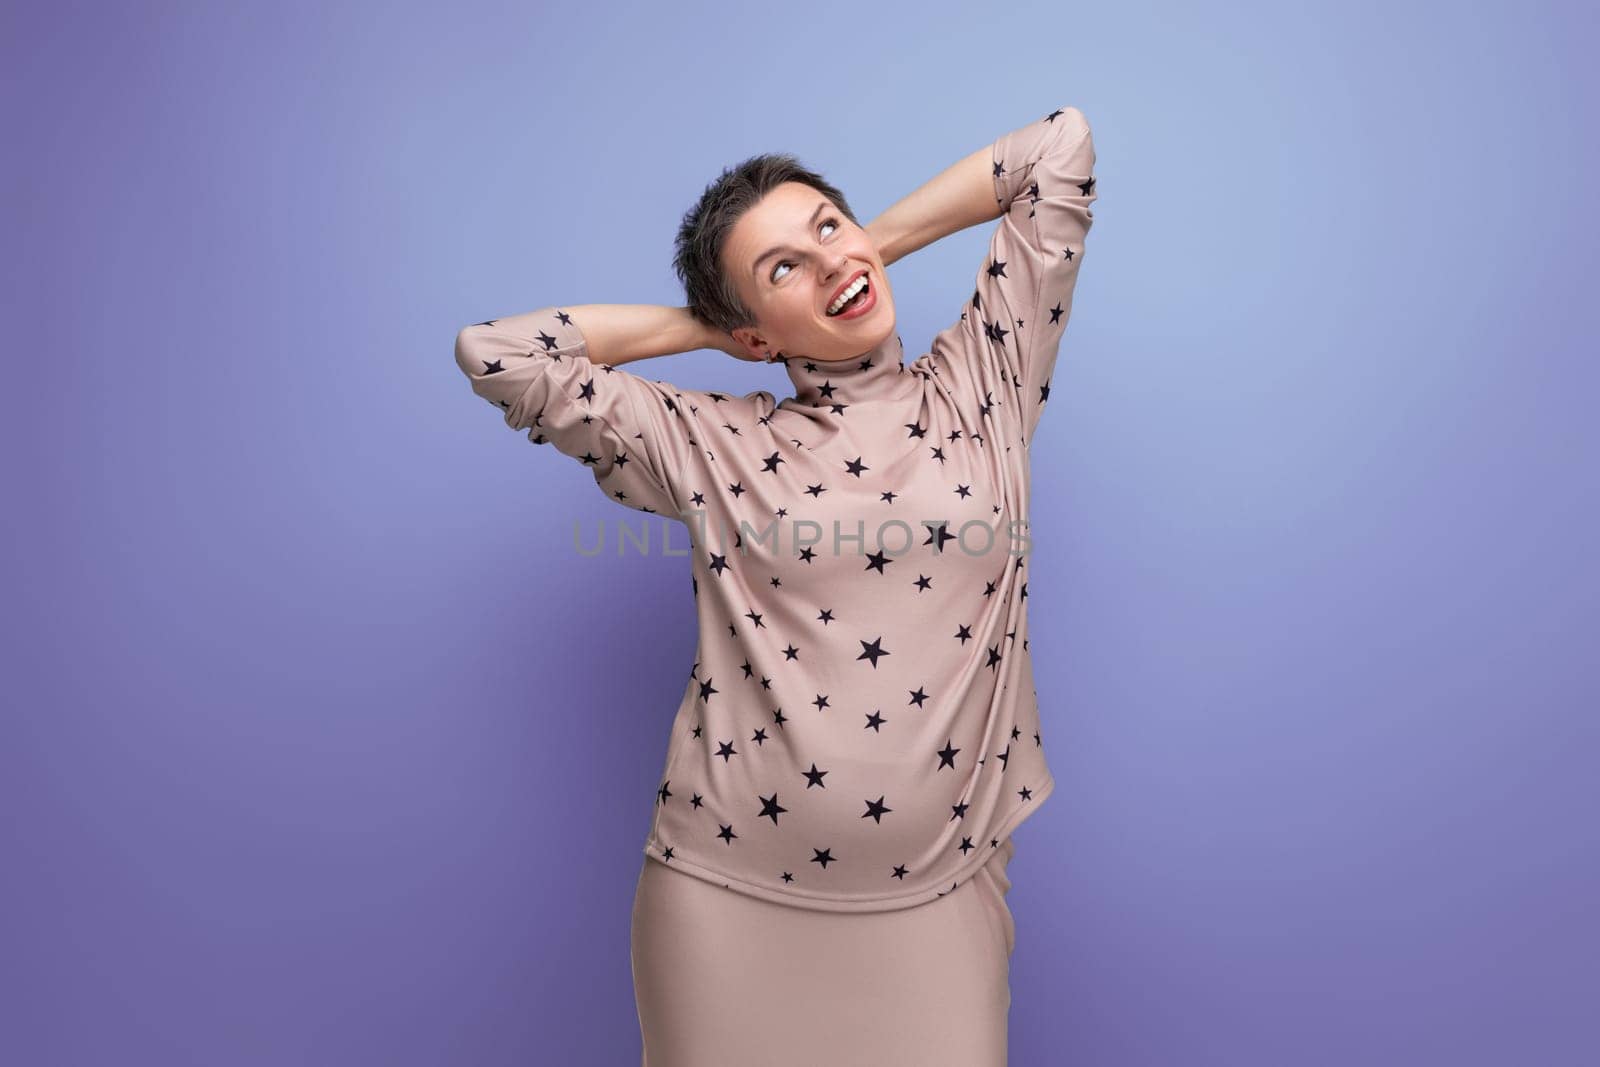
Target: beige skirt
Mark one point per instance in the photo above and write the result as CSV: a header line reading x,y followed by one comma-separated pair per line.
x,y
722,979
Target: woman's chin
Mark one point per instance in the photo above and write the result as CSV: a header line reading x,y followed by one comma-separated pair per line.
x,y
846,344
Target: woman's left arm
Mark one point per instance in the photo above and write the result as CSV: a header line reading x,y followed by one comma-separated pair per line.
x,y
999,356
959,196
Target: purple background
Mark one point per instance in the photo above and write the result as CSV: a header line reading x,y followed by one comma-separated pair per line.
x,y
322,744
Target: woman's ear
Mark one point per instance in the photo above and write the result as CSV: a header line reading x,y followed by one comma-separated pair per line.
x,y
736,346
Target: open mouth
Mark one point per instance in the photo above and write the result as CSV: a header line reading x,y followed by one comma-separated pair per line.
x,y
862,296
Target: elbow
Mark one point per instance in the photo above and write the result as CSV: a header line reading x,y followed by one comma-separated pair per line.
x,y
468,350
1069,129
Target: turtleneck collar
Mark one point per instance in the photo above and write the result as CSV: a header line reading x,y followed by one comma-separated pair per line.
x,y
878,374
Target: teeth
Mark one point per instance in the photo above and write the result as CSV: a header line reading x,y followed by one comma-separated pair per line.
x,y
850,291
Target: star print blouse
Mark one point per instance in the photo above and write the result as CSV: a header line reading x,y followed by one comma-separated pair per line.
x,y
860,727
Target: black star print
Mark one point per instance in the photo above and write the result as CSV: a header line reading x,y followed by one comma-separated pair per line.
x,y
872,651
771,808
938,535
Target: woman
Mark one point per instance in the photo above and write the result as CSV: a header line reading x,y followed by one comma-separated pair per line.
x,y
826,866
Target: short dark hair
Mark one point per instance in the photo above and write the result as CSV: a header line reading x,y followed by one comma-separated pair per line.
x,y
707,285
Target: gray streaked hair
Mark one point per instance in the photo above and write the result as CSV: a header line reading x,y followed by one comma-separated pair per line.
x,y
707,284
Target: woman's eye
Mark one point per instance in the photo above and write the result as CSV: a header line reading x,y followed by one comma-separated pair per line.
x,y
784,263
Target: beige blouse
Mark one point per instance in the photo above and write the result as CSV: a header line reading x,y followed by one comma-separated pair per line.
x,y
860,726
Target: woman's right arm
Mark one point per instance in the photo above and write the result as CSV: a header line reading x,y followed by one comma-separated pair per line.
x,y
622,333
553,373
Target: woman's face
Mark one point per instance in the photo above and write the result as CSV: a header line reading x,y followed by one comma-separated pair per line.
x,y
814,251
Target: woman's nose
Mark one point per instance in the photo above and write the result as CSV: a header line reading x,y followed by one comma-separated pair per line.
x,y
836,270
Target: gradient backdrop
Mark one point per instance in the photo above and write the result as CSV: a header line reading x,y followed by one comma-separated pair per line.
x,y
310,700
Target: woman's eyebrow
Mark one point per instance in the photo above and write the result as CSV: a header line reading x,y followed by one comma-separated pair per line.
x,y
755,268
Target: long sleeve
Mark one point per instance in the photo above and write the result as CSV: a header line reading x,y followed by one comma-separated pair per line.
x,y
1000,355
629,431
